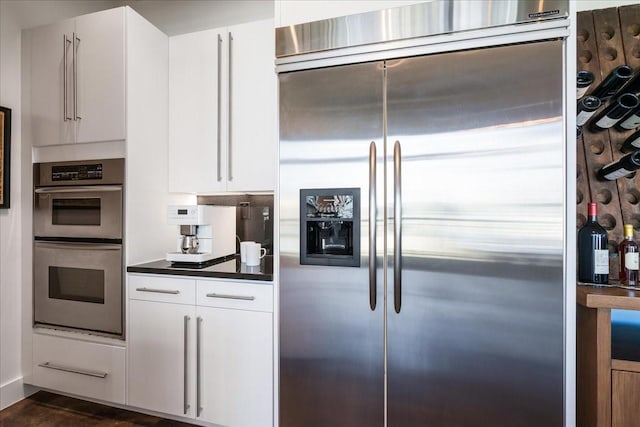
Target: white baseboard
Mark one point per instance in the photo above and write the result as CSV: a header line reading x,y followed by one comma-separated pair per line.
x,y
14,391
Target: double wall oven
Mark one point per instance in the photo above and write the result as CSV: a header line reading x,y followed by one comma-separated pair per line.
x,y
78,255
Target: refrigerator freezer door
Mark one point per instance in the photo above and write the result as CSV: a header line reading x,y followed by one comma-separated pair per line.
x,y
331,341
478,339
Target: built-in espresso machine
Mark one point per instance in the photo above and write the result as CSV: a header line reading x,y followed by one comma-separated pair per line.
x,y
206,233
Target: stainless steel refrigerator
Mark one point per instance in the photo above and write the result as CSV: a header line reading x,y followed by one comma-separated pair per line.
x,y
421,224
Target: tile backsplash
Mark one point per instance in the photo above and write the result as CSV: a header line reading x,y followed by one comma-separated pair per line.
x,y
254,216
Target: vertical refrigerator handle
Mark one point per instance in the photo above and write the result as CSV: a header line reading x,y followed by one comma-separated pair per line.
x,y
372,226
397,228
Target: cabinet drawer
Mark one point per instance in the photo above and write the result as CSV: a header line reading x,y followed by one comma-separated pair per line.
x,y
78,367
239,295
162,289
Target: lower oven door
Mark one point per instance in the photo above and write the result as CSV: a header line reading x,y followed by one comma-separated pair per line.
x,y
79,286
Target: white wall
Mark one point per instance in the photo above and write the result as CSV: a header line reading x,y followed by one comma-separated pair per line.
x,y
15,223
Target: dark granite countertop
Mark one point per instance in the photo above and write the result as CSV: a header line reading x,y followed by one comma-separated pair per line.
x,y
228,268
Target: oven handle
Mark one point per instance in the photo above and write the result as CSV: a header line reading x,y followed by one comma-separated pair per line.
x,y
83,246
78,189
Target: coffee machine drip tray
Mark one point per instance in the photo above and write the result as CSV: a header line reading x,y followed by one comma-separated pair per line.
x,y
197,258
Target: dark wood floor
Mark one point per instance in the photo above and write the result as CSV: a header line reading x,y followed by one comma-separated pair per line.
x,y
45,409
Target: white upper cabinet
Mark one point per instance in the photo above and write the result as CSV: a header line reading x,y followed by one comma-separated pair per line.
x,y
222,109
195,113
78,79
252,105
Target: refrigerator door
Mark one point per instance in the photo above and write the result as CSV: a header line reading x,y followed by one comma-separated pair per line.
x,y
331,341
475,266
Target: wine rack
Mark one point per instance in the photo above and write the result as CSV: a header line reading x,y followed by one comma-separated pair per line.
x,y
606,39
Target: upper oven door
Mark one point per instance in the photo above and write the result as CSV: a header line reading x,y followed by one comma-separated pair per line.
x,y
81,212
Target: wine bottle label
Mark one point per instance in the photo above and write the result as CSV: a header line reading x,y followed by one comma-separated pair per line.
x,y
583,116
631,123
619,173
601,261
606,122
581,91
632,260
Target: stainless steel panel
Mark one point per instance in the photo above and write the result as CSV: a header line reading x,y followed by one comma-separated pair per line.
x,y
479,340
112,173
423,19
331,342
103,317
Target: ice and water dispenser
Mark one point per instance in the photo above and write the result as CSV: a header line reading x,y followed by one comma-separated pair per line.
x,y
330,227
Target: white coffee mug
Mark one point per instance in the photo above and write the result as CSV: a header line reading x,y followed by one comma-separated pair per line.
x,y
255,253
243,250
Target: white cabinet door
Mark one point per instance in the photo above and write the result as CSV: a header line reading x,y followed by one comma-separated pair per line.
x,y
196,131
252,107
236,368
161,354
100,86
78,79
49,49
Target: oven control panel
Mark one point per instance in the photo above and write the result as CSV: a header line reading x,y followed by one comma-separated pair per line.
x,y
76,172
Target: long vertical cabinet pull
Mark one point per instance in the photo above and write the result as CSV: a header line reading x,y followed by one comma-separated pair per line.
x,y
229,122
397,228
186,364
198,395
65,42
219,160
372,226
75,77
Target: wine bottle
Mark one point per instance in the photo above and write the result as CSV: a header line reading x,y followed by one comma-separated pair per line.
x,y
593,250
632,85
632,143
629,121
621,167
587,107
629,258
613,112
583,81
614,81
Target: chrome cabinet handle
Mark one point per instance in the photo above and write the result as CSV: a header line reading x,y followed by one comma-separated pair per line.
x,y
372,226
226,296
158,291
229,121
75,77
73,370
186,365
65,42
219,160
97,188
198,399
397,228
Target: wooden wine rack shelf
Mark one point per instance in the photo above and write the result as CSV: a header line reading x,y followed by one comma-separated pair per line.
x,y
607,38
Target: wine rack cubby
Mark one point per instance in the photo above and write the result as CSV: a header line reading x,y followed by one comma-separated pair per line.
x,y
606,39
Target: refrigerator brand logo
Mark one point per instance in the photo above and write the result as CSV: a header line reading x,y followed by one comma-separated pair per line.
x,y
545,13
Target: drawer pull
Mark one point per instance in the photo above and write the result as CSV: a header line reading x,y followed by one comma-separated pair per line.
x,y
73,370
158,291
242,297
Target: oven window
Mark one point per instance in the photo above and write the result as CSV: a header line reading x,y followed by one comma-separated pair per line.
x,y
84,211
76,284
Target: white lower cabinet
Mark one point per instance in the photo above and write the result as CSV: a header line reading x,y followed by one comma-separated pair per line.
x,y
211,359
77,367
